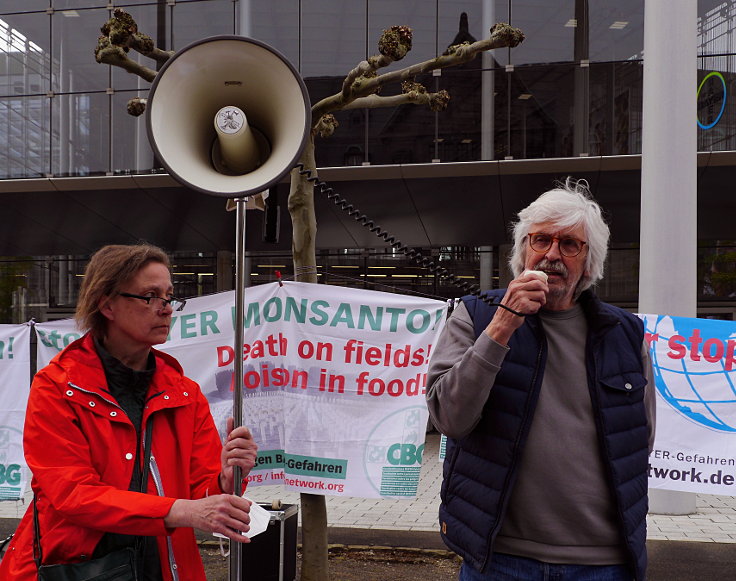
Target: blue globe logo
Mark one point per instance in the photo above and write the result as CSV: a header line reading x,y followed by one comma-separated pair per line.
x,y
691,360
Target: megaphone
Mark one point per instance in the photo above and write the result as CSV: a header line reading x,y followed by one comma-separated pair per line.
x,y
228,116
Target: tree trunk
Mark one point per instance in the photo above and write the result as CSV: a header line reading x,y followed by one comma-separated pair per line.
x,y
303,220
304,226
314,538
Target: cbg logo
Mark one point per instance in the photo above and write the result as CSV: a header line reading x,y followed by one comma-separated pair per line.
x,y
10,474
405,454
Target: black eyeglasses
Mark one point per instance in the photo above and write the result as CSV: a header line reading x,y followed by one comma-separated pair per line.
x,y
158,302
568,245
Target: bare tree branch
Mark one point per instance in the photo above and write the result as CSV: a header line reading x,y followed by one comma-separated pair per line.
x,y
392,46
120,34
436,101
361,85
108,54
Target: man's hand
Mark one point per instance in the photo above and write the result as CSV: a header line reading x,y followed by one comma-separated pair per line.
x,y
222,513
526,294
239,450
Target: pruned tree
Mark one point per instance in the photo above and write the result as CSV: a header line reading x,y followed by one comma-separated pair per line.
x,y
360,90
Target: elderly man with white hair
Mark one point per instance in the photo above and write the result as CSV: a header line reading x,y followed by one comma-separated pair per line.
x,y
546,395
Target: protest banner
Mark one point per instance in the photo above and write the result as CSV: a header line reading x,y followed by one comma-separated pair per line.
x,y
695,371
15,366
334,380
334,385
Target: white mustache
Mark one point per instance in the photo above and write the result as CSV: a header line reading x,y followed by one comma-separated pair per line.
x,y
553,267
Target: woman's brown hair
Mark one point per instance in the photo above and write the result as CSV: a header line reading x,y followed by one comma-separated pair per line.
x,y
109,269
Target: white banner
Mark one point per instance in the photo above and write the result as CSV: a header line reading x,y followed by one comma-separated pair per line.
x,y
334,381
335,384
695,370
15,379
52,337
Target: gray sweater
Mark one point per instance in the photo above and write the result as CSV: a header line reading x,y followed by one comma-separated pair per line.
x,y
561,508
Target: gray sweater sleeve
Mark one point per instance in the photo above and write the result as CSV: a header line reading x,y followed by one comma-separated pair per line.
x,y
462,371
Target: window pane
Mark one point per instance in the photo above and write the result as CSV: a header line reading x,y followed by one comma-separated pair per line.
x,y
13,6
459,125
192,21
616,29
82,121
24,54
715,27
542,100
549,27
73,44
131,150
716,109
275,22
24,129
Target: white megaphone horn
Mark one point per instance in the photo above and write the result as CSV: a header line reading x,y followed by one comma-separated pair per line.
x,y
228,116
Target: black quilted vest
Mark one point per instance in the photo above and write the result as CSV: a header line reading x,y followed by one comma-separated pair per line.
x,y
480,469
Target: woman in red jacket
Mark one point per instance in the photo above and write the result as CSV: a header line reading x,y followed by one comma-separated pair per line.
x,y
83,438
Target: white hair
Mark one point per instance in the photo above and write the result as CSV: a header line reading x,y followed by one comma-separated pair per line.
x,y
569,205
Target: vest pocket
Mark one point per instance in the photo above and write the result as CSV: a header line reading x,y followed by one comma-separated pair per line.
x,y
633,382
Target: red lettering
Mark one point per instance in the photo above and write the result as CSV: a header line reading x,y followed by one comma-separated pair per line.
x,y
225,356
730,359
373,355
695,341
707,350
677,350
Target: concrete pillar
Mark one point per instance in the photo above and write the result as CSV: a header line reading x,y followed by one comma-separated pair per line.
x,y
488,88
225,279
504,270
667,277
581,99
245,23
485,259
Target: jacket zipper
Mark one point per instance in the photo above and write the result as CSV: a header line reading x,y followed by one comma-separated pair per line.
x,y
173,567
96,394
154,473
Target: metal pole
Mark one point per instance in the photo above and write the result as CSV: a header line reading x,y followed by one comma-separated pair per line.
x,y
236,549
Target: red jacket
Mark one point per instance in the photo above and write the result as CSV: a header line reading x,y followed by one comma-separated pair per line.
x,y
81,447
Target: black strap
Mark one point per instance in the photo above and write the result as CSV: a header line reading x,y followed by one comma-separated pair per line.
x,y
146,455
38,554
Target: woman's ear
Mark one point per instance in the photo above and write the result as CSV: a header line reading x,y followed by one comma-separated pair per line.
x,y
105,307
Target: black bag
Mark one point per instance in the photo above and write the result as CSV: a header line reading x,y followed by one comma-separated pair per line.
x,y
120,565
4,545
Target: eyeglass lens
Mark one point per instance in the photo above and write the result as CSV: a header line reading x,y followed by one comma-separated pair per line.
x,y
568,246
176,304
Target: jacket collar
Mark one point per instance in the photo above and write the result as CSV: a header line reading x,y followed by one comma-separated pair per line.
x,y
83,367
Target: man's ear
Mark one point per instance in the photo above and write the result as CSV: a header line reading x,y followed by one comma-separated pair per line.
x,y
105,307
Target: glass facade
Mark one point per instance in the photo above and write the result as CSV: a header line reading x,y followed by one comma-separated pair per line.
x,y
572,88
